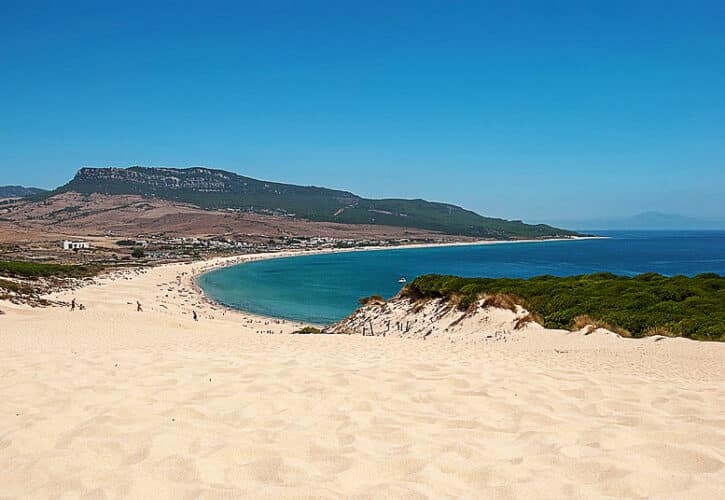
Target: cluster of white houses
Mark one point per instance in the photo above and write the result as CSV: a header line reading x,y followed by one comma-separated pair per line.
x,y
75,245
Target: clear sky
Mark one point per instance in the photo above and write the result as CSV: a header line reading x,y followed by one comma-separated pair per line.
x,y
533,110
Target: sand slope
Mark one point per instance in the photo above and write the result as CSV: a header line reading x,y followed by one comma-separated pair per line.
x,y
110,403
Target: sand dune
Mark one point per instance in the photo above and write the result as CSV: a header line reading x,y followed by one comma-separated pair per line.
x,y
111,403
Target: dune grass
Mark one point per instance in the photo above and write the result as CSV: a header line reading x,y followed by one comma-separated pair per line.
x,y
307,330
30,270
373,299
11,286
648,304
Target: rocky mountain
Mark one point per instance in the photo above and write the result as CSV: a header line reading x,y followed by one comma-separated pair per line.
x,y
19,191
218,189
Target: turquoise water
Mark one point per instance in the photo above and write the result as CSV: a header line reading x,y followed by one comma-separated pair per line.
x,y
325,288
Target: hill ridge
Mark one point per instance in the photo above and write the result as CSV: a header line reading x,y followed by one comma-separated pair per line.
x,y
19,191
219,189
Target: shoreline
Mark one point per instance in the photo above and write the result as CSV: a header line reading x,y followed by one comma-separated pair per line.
x,y
240,259
187,273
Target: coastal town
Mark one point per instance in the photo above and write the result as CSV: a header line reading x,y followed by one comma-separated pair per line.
x,y
156,249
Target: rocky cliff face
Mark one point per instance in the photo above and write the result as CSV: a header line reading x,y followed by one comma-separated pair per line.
x,y
197,179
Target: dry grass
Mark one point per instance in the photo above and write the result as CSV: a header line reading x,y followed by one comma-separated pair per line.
x,y
659,330
373,300
592,324
419,305
501,301
525,320
456,300
17,287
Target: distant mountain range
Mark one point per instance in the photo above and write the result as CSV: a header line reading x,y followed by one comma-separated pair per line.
x,y
19,191
218,189
648,220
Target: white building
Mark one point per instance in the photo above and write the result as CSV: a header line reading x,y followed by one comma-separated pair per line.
x,y
75,245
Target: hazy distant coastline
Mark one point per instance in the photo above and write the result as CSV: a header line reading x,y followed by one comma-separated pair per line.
x,y
653,221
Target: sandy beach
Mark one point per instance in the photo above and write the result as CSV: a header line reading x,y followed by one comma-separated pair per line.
x,y
110,402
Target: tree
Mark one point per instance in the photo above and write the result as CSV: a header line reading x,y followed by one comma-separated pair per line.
x,y
137,253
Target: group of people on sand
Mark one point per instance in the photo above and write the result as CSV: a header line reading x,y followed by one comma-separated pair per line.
x,y
140,309
74,304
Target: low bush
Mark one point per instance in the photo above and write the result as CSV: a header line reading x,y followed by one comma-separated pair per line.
x,y
648,304
19,269
373,299
502,301
11,286
525,320
307,330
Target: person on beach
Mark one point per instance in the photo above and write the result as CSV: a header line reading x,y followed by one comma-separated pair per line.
x,y
193,314
73,304
138,306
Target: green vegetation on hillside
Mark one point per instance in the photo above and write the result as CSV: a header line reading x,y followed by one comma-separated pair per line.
x,y
638,306
18,269
217,189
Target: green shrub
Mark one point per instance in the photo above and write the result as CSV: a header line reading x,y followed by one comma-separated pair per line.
x,y
19,269
638,306
308,330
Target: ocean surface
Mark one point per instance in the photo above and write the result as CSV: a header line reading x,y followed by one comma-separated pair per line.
x,y
322,289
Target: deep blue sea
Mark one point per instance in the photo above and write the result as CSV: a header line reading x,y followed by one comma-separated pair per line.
x,y
325,288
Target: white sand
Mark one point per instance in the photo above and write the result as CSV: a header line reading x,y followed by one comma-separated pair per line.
x,y
111,403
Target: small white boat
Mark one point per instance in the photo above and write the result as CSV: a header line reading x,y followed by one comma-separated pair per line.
x,y
402,280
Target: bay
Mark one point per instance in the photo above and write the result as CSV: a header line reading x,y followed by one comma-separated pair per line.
x,y
324,288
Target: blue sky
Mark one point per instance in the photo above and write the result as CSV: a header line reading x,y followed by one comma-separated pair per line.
x,y
532,110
